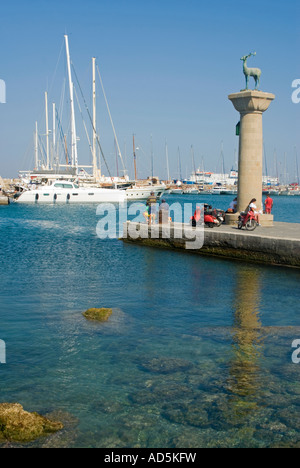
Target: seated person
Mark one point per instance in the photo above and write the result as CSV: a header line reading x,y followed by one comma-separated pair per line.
x,y
233,206
164,209
252,207
151,204
197,217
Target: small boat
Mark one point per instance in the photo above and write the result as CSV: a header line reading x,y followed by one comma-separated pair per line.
x,y
273,192
205,192
191,191
218,189
228,192
176,191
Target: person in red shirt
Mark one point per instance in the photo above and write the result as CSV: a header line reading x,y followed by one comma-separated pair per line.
x,y
268,204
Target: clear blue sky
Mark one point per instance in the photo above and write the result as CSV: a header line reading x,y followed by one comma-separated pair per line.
x,y
167,66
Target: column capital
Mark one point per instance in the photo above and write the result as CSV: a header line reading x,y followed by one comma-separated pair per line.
x,y
251,101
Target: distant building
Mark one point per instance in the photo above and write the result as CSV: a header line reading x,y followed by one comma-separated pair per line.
x,y
212,178
231,179
2,92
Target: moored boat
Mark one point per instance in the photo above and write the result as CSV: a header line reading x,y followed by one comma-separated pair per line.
x,y
143,192
68,192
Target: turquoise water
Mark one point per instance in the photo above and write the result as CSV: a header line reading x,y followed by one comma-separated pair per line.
x,y
197,352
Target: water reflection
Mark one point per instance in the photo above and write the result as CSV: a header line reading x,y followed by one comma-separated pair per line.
x,y
244,381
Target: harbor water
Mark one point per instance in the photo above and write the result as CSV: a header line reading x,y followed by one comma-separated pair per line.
x,y
198,351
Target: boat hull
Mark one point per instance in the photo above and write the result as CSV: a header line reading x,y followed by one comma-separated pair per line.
x,y
72,196
142,193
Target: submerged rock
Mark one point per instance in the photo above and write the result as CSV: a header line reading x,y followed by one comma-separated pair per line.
x,y
188,414
18,425
66,438
165,365
99,315
163,392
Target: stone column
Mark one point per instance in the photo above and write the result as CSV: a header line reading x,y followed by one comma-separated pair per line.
x,y
250,105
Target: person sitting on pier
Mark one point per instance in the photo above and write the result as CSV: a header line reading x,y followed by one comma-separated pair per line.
x,y
195,220
163,214
233,206
151,204
146,214
252,207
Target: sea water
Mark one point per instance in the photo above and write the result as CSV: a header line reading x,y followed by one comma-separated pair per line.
x,y
197,353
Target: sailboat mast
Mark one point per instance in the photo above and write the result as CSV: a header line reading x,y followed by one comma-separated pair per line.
x,y
285,170
296,165
134,160
95,168
66,151
152,158
167,158
179,165
223,161
36,146
193,160
112,124
117,164
47,132
276,166
74,154
54,134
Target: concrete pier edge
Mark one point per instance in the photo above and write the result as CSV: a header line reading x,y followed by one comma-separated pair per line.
x,y
4,200
278,245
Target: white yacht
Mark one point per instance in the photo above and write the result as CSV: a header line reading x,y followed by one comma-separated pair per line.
x,y
143,192
62,191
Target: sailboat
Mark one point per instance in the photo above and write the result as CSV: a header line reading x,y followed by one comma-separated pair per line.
x,y
67,191
139,191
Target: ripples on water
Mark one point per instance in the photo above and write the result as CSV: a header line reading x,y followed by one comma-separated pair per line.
x,y
197,353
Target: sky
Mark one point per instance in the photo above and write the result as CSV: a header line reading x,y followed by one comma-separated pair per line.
x,y
167,66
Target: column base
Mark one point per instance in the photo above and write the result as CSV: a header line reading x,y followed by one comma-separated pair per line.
x,y
266,220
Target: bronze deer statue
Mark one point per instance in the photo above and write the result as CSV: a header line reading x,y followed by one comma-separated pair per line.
x,y
255,72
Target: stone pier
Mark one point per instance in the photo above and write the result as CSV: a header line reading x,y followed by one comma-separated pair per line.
x,y
4,200
251,105
277,245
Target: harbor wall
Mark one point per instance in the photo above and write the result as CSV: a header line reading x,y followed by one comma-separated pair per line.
x,y
272,246
4,200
